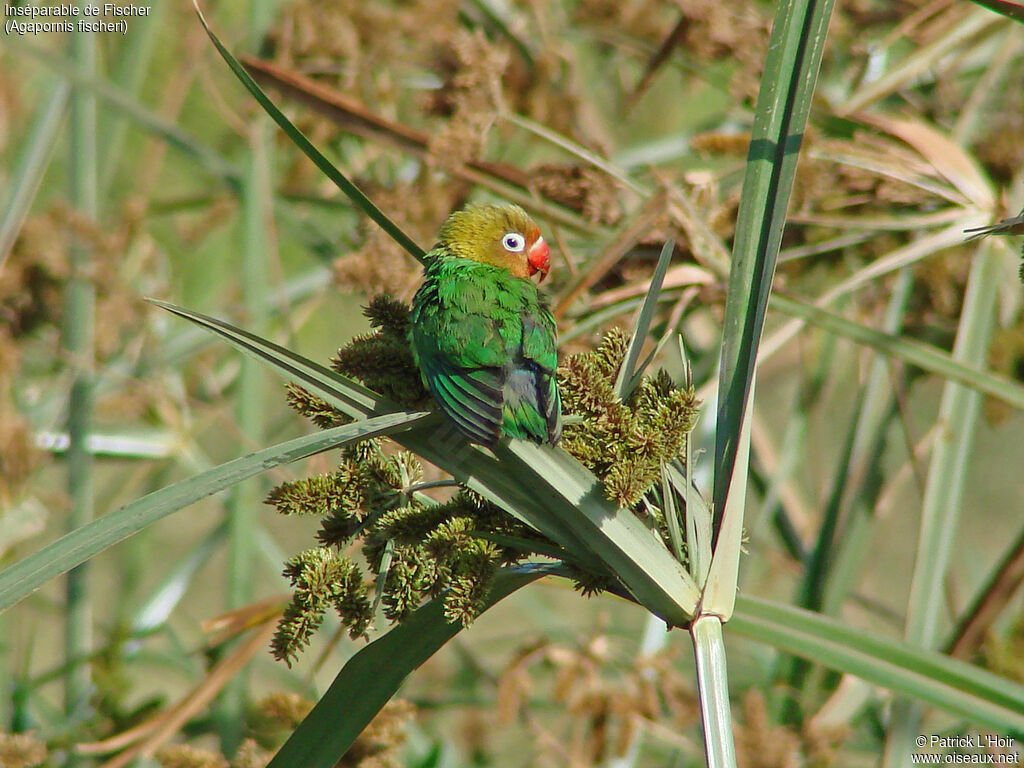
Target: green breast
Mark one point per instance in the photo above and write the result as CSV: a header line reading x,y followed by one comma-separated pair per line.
x,y
485,344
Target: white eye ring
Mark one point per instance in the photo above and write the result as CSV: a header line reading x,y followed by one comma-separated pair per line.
x,y
513,242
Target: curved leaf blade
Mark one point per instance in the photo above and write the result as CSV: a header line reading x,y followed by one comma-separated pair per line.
x,y
949,684
345,394
78,546
319,160
1008,8
924,356
373,675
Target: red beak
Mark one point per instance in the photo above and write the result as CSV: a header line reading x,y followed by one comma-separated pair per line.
x,y
539,258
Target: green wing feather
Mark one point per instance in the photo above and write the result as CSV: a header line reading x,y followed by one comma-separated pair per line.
x,y
485,344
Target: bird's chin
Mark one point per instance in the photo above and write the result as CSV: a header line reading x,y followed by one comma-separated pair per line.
x,y
538,275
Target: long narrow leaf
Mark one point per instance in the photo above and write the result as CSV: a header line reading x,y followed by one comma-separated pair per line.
x,y
345,394
981,697
299,139
629,375
1012,10
31,167
787,85
959,412
27,575
922,355
635,554
372,676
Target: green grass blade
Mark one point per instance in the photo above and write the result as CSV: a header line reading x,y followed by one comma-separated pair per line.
x,y
629,375
787,85
353,192
958,417
698,517
675,531
205,156
372,676
983,698
720,586
922,355
959,412
28,574
347,395
31,167
79,348
1007,8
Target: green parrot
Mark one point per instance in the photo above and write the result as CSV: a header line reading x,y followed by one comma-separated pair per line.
x,y
481,332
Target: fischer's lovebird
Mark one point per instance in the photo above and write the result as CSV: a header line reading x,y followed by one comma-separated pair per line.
x,y
481,332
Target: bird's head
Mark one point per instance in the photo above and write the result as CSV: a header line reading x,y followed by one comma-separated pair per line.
x,y
500,235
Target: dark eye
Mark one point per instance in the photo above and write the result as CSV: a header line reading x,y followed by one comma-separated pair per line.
x,y
514,242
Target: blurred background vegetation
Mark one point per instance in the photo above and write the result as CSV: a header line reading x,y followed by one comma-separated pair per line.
x,y
135,166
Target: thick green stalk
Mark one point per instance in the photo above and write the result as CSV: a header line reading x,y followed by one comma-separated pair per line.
x,y
245,498
836,563
787,86
78,343
713,687
244,501
944,489
129,79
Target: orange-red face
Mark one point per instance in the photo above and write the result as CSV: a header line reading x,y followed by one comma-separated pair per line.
x,y
502,235
531,244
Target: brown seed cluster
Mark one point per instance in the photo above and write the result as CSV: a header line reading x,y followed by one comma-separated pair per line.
x,y
471,98
21,750
762,744
582,188
624,442
607,696
379,263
